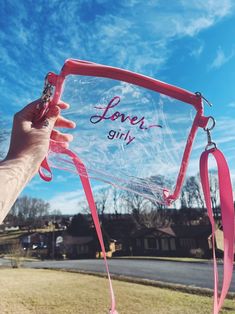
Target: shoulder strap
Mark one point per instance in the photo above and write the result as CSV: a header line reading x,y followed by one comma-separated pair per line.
x,y
227,212
81,169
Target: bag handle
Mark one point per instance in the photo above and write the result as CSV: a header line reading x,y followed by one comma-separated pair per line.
x,y
81,67
227,212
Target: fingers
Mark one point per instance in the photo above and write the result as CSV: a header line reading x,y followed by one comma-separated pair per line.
x,y
63,105
52,118
62,122
52,115
32,110
61,137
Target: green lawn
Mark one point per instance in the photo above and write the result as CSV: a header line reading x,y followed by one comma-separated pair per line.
x,y
55,292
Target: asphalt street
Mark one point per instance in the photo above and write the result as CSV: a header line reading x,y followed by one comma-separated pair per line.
x,y
189,274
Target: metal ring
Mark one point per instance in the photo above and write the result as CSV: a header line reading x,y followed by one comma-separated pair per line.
x,y
209,145
213,123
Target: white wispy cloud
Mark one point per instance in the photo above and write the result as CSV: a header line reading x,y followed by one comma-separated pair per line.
x,y
221,59
67,202
231,104
74,201
198,50
117,37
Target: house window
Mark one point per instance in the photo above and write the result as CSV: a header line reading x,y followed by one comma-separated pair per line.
x,y
172,244
157,244
152,243
82,249
118,246
138,243
165,244
188,243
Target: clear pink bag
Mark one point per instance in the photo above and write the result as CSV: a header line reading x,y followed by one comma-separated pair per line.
x,y
136,133
132,131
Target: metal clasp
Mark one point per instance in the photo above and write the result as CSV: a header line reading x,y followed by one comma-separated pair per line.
x,y
204,98
47,92
210,143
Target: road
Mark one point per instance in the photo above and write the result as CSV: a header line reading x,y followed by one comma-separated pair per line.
x,y
189,274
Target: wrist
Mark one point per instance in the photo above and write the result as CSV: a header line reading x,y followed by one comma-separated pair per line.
x,y
15,173
23,166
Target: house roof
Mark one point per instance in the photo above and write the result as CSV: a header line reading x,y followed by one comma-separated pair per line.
x,y
174,231
191,231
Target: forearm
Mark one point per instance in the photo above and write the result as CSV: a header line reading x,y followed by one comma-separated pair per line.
x,y
28,147
14,175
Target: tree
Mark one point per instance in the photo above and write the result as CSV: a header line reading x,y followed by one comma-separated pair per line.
x,y
156,218
79,226
101,201
56,212
29,212
214,190
183,199
3,137
135,205
116,197
192,194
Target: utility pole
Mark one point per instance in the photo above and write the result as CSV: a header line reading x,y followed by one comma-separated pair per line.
x,y
53,239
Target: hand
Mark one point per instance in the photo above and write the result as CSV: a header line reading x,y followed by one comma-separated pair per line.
x,y
30,139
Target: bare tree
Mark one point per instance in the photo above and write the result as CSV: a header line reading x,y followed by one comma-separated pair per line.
x,y
30,212
135,205
117,200
101,201
192,194
16,254
3,137
156,218
214,190
183,199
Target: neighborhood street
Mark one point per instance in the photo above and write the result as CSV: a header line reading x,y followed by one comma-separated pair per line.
x,y
192,274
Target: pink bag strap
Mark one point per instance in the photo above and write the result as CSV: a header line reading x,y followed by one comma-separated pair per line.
x,y
227,212
81,169
44,165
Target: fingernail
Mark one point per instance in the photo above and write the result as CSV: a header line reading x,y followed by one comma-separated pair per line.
x,y
70,138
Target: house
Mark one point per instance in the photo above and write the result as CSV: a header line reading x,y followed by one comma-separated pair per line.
x,y
34,240
172,241
85,246
219,241
119,227
78,247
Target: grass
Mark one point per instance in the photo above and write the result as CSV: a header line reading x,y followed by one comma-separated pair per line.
x,y
39,291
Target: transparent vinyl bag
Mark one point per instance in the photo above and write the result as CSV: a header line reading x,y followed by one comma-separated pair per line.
x,y
127,135
136,133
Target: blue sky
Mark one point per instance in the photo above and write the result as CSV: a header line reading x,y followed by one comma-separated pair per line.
x,y
190,44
